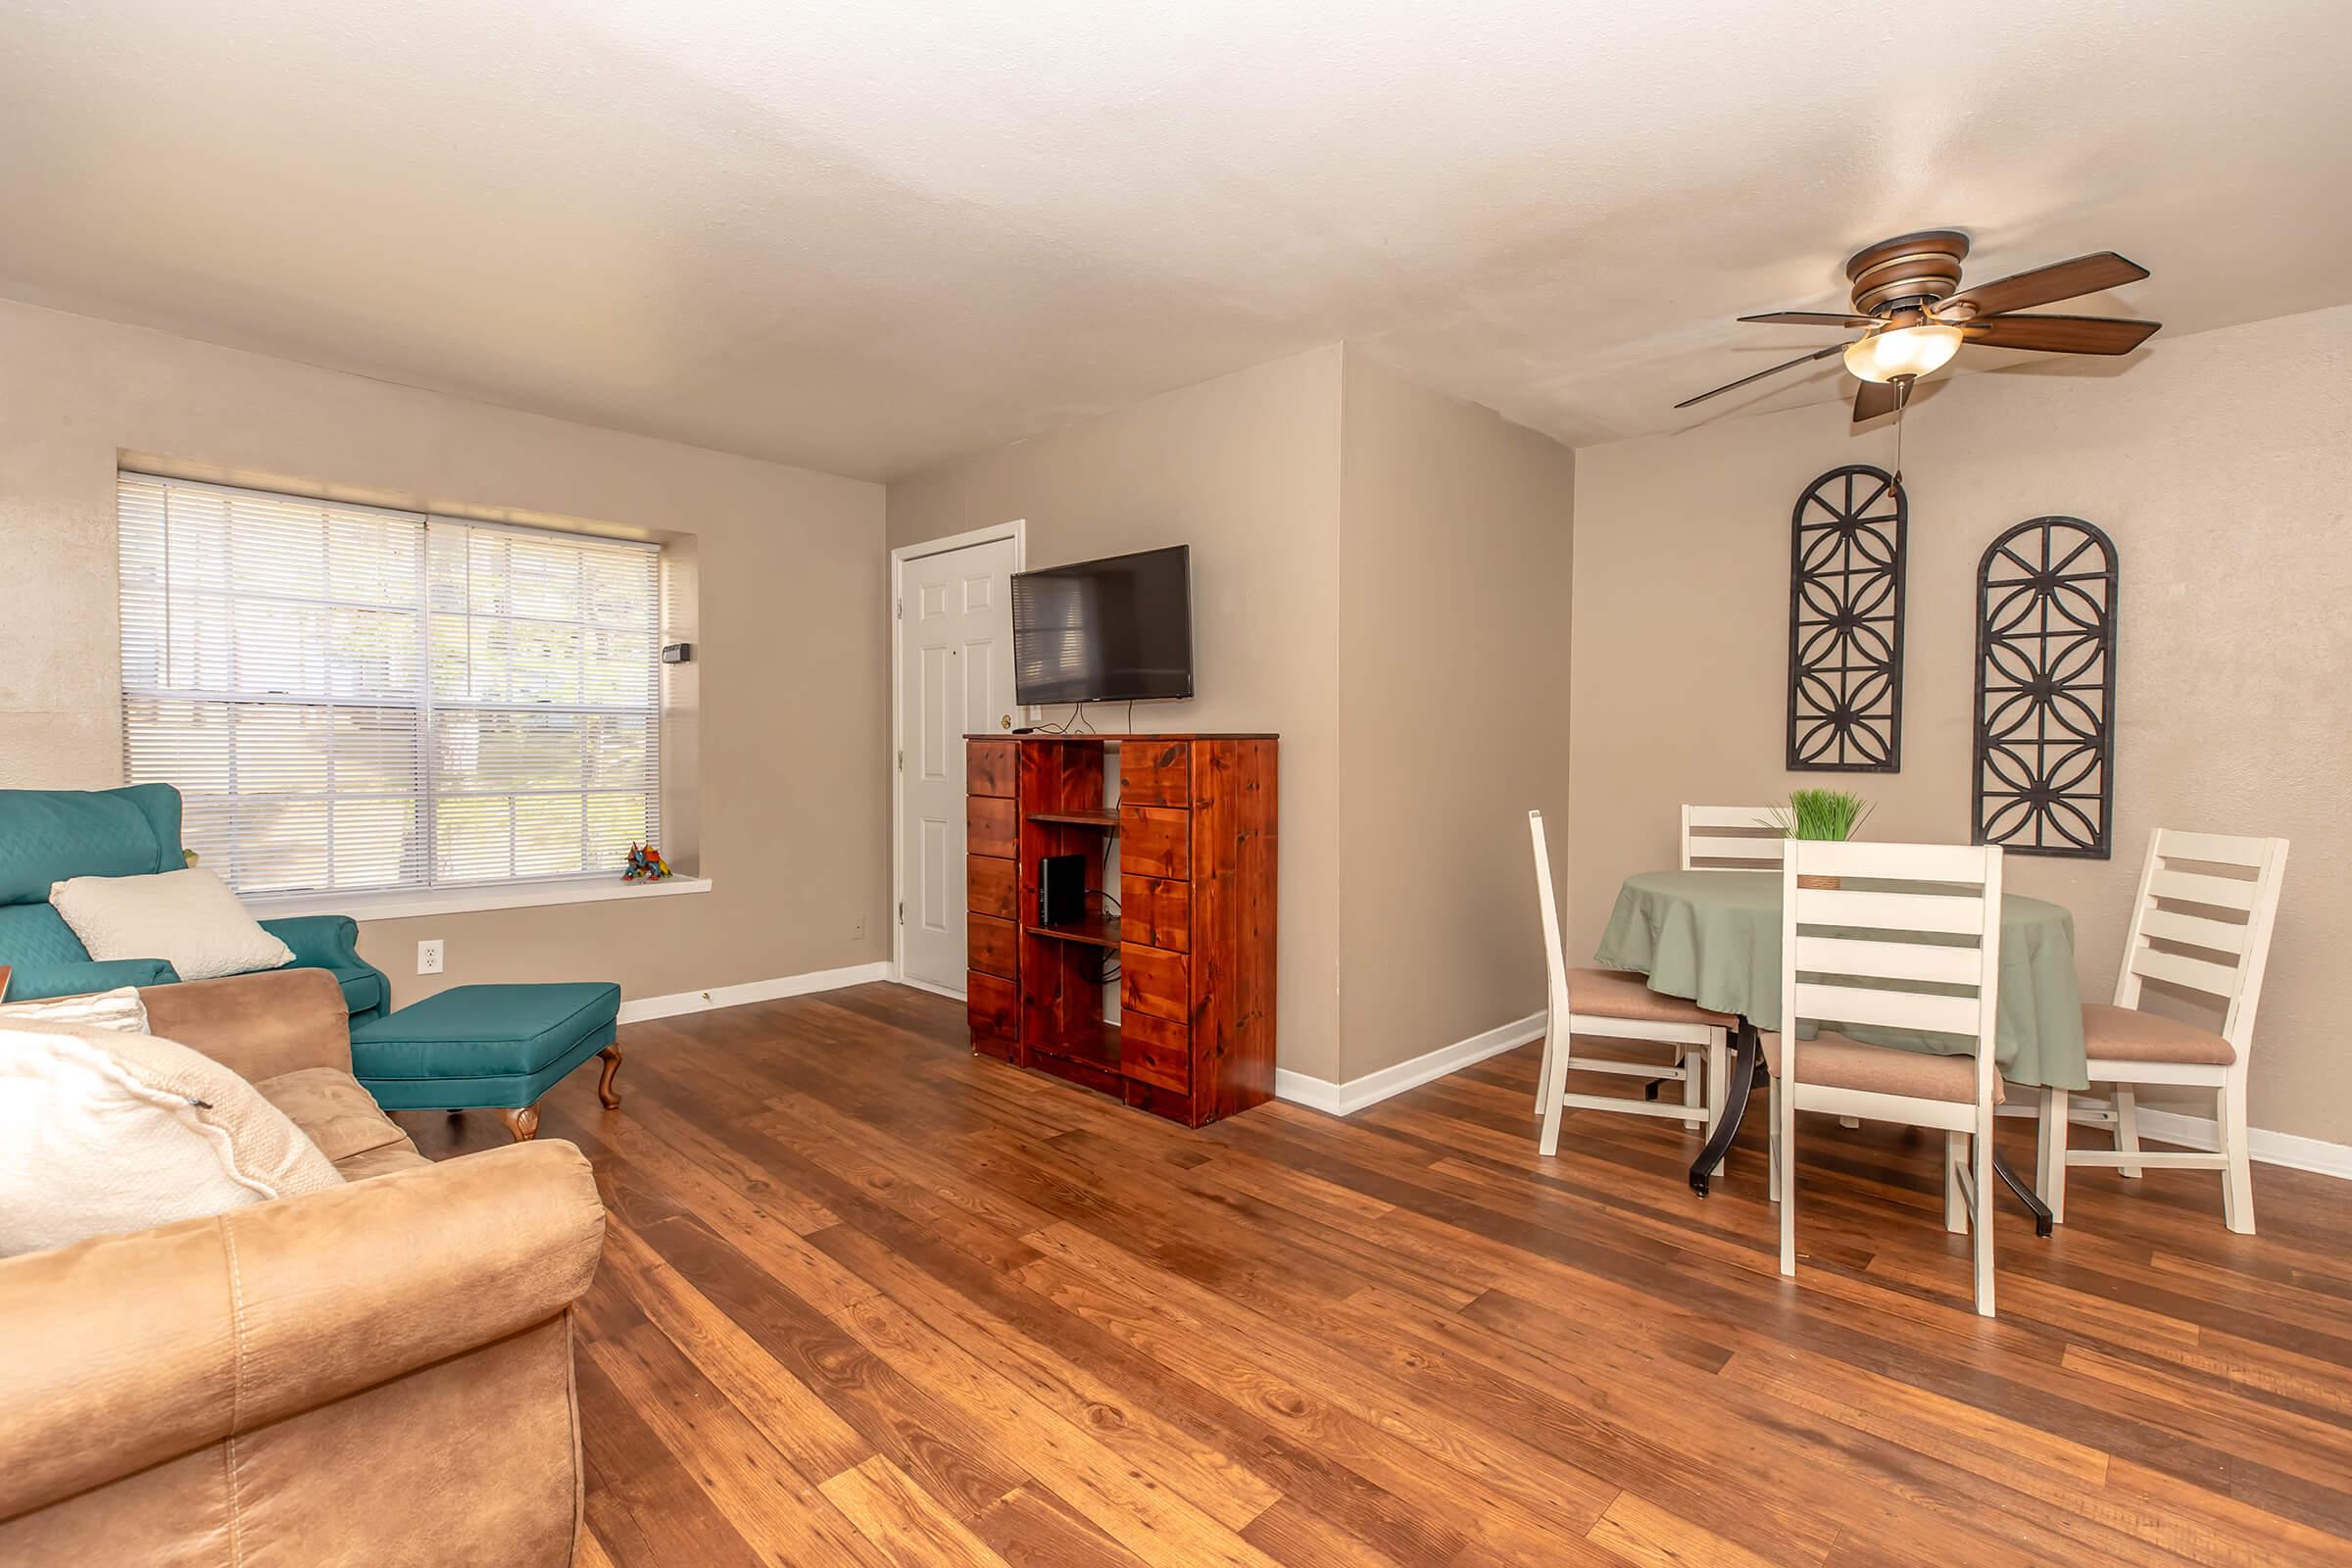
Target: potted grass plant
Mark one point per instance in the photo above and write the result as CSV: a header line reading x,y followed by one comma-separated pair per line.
x,y
1832,814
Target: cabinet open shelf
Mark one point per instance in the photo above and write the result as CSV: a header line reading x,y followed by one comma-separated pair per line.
x,y
1187,915
1096,931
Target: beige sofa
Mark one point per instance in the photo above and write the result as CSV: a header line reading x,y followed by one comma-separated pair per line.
x,y
377,1374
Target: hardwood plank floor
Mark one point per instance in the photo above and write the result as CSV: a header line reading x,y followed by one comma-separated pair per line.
x,y
870,1300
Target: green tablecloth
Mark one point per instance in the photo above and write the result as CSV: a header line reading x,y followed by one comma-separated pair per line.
x,y
1714,938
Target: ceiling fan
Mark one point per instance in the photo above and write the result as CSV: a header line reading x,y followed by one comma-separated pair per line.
x,y
1904,293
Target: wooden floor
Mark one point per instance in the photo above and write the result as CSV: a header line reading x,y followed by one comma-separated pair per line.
x,y
870,1299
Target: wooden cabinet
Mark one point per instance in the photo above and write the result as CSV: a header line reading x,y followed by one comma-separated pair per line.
x,y
1190,924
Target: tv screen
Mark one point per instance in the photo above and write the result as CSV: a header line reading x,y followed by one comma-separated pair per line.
x,y
1109,630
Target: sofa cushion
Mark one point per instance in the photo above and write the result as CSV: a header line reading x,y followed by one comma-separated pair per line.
x,y
33,933
332,1111
102,1133
49,835
187,917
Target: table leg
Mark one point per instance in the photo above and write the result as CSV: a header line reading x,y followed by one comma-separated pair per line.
x,y
2025,1195
1747,1052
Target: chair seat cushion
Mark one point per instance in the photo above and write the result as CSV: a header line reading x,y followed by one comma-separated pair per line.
x,y
329,1105
1622,993
2126,1034
482,1044
1833,1061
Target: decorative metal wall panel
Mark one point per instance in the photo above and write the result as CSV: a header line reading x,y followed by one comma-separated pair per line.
x,y
2045,690
1846,624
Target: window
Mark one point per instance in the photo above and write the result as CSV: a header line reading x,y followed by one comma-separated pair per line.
x,y
350,697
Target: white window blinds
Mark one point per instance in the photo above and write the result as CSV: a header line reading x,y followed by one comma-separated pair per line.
x,y
350,697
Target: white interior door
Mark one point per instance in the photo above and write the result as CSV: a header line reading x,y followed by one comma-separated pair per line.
x,y
955,679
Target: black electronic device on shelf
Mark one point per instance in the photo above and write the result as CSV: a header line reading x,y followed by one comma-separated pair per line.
x,y
1061,889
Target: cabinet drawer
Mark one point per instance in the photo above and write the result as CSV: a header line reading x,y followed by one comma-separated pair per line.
x,y
1156,912
992,1006
1153,982
992,886
991,826
989,766
1155,773
1155,841
995,945
1156,1050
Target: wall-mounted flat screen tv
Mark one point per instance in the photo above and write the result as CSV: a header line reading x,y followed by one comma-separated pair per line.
x,y
1111,630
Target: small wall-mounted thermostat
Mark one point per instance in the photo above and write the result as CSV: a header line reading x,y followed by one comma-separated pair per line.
x,y
677,653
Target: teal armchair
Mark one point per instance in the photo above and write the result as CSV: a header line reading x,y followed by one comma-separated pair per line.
x,y
49,835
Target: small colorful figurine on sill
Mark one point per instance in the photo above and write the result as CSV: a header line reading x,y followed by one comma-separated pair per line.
x,y
645,865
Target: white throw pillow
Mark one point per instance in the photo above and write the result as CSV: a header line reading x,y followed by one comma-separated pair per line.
x,y
188,918
102,1133
120,1009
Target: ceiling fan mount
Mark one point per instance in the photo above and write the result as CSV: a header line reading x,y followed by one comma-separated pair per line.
x,y
1915,270
1914,315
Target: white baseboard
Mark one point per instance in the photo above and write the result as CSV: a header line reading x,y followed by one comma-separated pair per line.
x,y
2262,1147
1346,1100
638,1008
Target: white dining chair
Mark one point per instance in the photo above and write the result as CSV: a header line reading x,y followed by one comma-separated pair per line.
x,y
2205,930
1704,838
1617,1004
1848,981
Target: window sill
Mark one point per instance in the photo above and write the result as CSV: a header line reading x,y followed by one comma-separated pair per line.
x,y
403,905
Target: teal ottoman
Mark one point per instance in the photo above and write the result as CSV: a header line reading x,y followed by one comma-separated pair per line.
x,y
496,1047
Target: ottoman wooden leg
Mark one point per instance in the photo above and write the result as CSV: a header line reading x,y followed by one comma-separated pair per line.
x,y
523,1123
604,1086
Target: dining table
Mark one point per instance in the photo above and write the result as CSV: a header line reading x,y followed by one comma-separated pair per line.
x,y
1713,937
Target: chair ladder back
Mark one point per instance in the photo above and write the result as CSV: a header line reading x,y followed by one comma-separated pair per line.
x,y
2228,954
1876,973
1728,837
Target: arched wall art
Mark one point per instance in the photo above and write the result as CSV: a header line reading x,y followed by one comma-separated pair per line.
x,y
1846,624
2045,690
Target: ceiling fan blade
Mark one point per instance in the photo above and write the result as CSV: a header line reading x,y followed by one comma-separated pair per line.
x,y
2059,334
1788,364
1815,319
2045,285
1875,399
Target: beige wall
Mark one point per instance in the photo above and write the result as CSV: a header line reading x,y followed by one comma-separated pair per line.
x,y
1327,500
1454,577
793,680
2221,465
1246,469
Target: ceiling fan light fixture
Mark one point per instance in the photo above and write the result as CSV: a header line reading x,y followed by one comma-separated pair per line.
x,y
1904,351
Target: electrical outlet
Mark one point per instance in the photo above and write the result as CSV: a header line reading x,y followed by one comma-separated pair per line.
x,y
428,955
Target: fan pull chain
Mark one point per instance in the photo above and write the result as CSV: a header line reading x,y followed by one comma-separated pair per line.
x,y
1900,410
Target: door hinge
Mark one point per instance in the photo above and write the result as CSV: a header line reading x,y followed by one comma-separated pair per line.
x,y
902,911
902,759
901,608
